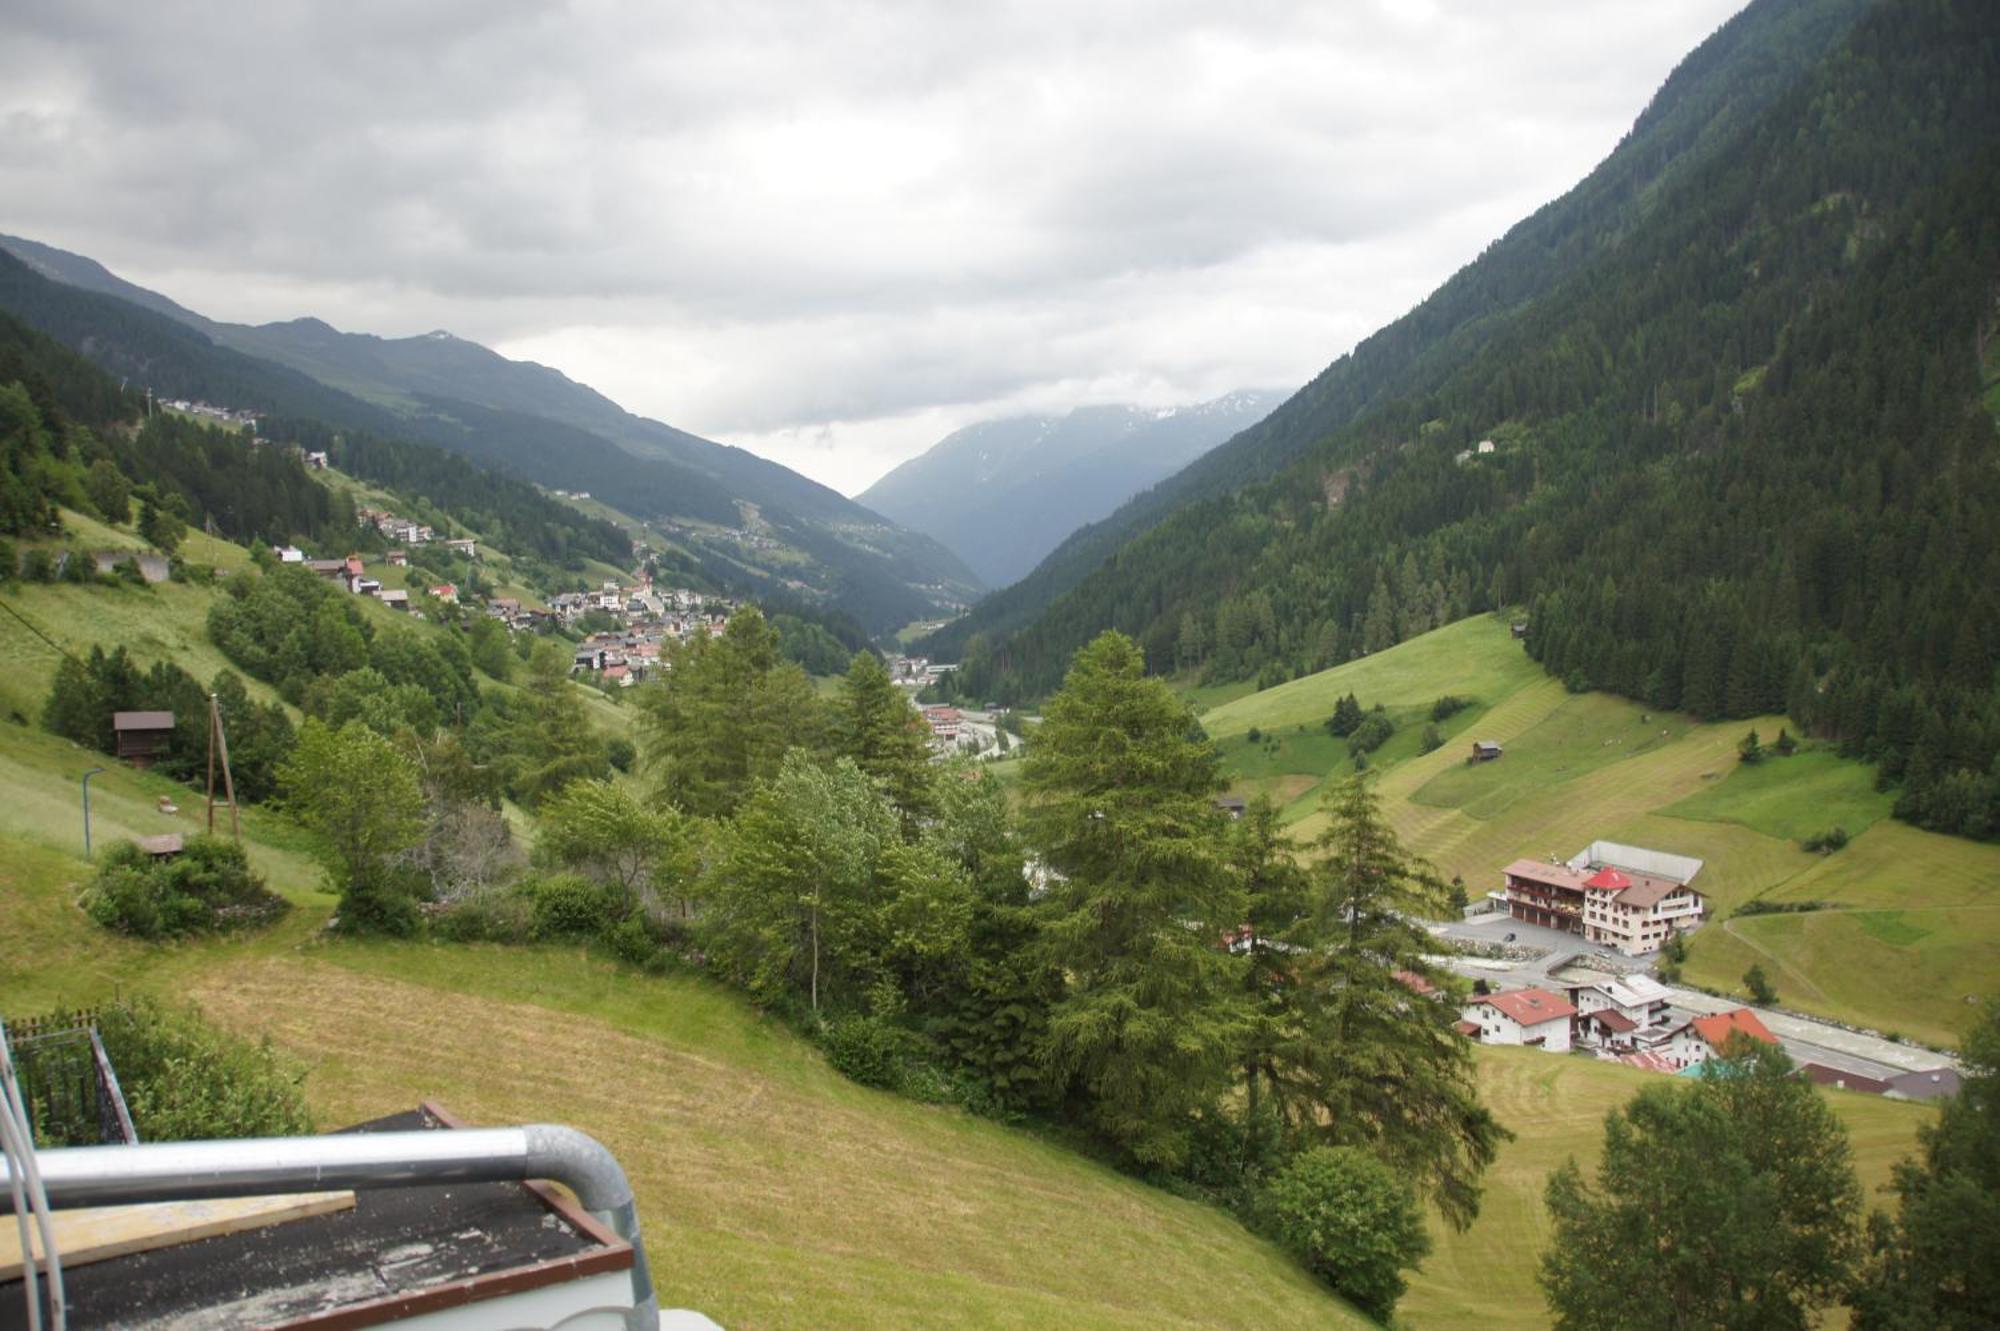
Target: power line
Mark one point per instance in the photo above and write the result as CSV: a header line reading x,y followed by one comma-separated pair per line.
x,y
29,625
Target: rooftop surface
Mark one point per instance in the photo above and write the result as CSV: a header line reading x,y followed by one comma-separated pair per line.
x,y
397,1252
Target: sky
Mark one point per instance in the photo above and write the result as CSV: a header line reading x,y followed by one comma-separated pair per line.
x,y
828,232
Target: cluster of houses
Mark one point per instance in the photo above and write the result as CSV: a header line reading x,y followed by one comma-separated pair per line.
x,y
1624,897
648,620
916,671
226,415
1630,1019
352,574
409,532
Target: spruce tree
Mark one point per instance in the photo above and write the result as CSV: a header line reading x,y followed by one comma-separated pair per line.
x,y
1119,787
875,725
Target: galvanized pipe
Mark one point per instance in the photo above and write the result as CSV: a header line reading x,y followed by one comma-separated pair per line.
x,y
261,1166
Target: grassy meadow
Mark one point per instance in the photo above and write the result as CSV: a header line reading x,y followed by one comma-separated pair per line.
x,y
1911,924
1485,1277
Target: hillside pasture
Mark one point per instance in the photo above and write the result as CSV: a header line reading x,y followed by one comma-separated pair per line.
x,y
1484,1278
1580,768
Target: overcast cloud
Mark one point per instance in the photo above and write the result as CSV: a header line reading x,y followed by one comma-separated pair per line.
x,y
829,232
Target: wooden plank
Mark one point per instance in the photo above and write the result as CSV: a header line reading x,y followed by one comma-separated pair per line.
x,y
93,1234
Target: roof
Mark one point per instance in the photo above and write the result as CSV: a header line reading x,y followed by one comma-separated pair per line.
x,y
404,1250
1648,1060
1415,983
1529,1007
1608,879
1647,890
1612,1019
1493,744
142,720
1466,1027
1636,859
1718,1028
1541,871
169,843
1935,1084
1840,1079
1635,991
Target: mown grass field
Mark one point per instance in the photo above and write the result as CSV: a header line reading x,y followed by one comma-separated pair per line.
x,y
1588,767
774,1192
1556,1105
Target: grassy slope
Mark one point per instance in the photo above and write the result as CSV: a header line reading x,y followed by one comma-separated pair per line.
x,y
1484,1278
1588,767
775,1193
1295,753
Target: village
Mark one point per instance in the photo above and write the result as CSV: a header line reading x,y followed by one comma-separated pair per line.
x,y
1562,958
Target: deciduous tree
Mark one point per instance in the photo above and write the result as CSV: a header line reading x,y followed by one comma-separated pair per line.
x,y
1729,1203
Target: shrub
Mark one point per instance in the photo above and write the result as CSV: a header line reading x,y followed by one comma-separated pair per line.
x,y
1827,842
209,886
497,915
1255,736
866,1049
1373,732
1351,1221
1448,706
568,905
1432,741
37,566
184,1080
1759,986
1346,716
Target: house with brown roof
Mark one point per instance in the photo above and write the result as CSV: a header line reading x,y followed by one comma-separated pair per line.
x,y
1533,1017
142,736
1625,897
1840,1079
1701,1039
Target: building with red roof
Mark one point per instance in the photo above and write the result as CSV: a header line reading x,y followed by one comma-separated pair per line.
x,y
1625,897
1522,1016
1703,1038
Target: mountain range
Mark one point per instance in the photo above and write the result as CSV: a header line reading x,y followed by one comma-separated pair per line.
x,y
1720,420
1002,494
752,524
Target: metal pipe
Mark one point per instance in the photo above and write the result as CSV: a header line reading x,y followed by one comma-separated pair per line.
x,y
260,1166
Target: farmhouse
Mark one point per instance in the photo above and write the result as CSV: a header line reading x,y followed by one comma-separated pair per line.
x,y
945,722
1625,897
1702,1039
1522,1016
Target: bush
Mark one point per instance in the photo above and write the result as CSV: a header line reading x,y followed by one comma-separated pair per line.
x,y
1448,706
184,1080
568,905
1827,842
497,915
866,1049
1346,717
1351,1221
1432,740
208,887
1373,732
1255,736
37,566
637,941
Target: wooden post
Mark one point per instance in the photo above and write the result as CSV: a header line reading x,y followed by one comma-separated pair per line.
x,y
211,764
221,737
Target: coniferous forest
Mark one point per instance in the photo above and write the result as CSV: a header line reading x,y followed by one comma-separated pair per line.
x,y
1741,461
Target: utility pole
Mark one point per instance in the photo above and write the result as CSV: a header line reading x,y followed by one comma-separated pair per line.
x,y
219,741
86,809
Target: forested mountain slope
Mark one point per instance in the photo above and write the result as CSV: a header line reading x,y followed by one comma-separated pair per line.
x,y
1741,459
1002,494
526,419
1723,85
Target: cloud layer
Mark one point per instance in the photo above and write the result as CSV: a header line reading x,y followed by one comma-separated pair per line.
x,y
829,231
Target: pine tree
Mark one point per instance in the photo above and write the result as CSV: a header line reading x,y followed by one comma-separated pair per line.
x,y
1119,790
875,725
1366,1062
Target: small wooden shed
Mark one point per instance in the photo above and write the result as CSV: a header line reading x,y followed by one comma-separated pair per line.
x,y
143,736
1485,750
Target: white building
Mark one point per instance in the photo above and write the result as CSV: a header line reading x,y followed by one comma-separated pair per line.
x,y
1626,897
1521,1016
